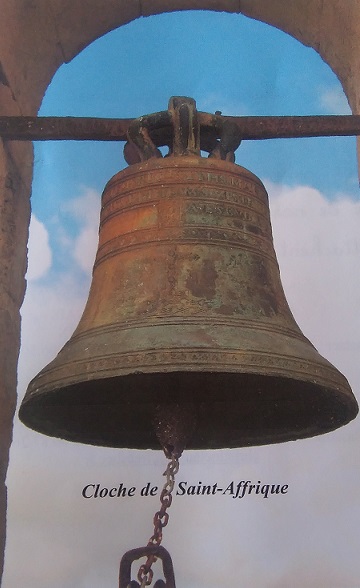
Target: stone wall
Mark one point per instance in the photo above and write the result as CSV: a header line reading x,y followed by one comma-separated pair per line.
x,y
36,37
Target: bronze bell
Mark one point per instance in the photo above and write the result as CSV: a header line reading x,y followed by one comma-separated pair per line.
x,y
186,307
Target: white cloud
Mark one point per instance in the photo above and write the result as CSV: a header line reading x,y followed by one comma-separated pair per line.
x,y
216,101
40,257
334,101
85,248
85,207
318,246
50,314
86,210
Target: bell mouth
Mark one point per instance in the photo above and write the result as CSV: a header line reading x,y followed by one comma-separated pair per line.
x,y
231,409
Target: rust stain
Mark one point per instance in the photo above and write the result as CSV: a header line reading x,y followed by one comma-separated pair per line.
x,y
202,282
141,218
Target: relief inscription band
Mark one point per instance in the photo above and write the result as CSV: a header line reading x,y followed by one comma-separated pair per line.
x,y
176,204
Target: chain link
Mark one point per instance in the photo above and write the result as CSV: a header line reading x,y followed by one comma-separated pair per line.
x,y
161,518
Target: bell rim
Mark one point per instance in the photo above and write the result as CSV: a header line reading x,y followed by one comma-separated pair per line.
x,y
330,408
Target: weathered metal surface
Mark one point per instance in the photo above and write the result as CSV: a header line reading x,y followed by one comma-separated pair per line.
x,y
186,306
184,134
174,425
27,128
156,552
186,127
288,127
55,128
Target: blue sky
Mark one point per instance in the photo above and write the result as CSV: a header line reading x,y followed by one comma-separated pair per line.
x,y
226,62
311,537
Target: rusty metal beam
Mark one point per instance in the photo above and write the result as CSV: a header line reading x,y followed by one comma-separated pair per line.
x,y
27,128
287,127
56,128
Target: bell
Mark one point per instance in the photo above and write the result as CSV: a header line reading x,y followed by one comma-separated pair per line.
x,y
186,309
186,306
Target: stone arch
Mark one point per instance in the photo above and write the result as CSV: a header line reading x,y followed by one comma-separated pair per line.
x,y
36,38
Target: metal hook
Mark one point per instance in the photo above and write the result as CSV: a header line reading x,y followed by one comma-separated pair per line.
x,y
155,550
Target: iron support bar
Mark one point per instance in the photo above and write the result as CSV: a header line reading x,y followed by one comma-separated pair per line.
x,y
28,128
291,127
57,128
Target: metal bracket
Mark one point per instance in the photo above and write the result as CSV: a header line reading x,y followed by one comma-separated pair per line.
x,y
158,552
181,130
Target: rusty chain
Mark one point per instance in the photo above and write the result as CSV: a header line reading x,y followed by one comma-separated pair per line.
x,y
161,518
